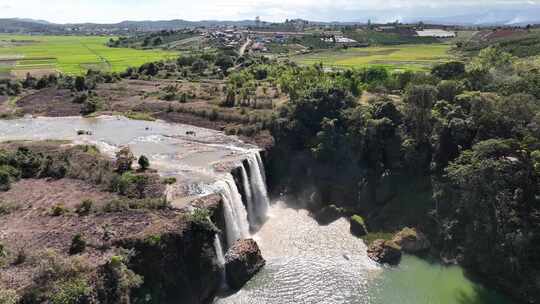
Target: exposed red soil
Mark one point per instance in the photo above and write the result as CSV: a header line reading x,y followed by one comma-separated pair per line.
x,y
32,228
49,102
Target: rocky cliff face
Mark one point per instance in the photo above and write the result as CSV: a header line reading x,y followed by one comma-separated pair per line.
x,y
242,262
176,265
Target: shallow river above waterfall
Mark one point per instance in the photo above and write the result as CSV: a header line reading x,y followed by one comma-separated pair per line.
x,y
308,263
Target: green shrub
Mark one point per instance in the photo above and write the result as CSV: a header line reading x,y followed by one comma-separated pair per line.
x,y
144,163
116,205
78,244
200,219
124,160
20,258
358,219
8,296
85,207
7,207
27,161
75,291
58,210
5,180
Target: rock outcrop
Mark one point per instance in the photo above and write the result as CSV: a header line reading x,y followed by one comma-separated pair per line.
x,y
358,226
329,214
242,261
411,240
385,252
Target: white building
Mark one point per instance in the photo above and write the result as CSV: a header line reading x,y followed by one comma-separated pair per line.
x,y
435,33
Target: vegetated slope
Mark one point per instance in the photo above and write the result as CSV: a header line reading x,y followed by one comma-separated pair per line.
x,y
520,43
162,39
72,54
82,228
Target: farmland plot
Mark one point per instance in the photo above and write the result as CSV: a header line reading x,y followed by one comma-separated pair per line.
x,y
21,54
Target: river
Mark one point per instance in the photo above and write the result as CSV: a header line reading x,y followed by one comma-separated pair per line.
x,y
308,264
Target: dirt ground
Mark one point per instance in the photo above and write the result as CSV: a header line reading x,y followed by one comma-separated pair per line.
x,y
30,228
49,102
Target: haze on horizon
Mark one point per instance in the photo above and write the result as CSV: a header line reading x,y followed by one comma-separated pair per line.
x,y
106,11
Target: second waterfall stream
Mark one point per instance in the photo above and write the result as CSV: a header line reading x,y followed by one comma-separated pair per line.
x,y
250,210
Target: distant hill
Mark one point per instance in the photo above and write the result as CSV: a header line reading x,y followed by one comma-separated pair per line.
x,y
20,25
491,17
520,16
27,26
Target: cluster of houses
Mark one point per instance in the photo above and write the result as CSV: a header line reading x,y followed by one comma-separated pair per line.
x,y
227,38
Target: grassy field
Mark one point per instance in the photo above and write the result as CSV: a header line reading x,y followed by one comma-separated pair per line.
x,y
68,54
400,57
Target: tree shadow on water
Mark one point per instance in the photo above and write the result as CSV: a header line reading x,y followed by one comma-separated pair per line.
x,y
481,295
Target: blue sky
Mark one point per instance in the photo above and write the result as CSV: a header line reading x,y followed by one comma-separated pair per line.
x,y
64,11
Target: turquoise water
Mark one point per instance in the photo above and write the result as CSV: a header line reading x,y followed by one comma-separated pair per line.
x,y
419,281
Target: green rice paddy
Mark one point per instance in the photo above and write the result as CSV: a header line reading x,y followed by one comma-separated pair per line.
x,y
75,55
400,57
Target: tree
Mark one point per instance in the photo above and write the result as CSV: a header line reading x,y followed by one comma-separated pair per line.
x,y
199,66
150,69
449,70
124,160
144,163
224,62
419,101
448,90
80,83
487,205
493,58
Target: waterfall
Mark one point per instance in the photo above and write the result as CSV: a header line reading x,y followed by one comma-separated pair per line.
x,y
236,220
249,197
219,251
261,166
220,261
259,193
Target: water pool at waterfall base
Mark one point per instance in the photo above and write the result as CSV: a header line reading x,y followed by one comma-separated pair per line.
x,y
308,263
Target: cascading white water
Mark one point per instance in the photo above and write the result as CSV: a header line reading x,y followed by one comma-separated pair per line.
x,y
249,196
220,260
236,220
261,202
261,166
219,251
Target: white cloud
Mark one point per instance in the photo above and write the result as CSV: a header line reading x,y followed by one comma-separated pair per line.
x,y
273,10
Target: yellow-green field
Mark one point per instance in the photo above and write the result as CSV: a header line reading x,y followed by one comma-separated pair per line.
x,y
399,57
20,54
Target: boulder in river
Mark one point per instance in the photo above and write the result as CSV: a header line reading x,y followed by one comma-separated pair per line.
x,y
358,226
242,261
329,214
411,240
384,252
